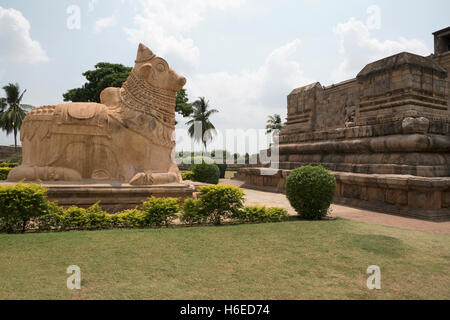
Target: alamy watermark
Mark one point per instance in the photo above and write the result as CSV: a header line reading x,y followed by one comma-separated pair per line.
x,y
374,280
229,141
74,281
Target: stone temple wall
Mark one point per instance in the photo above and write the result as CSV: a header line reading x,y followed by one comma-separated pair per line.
x,y
384,134
392,119
7,151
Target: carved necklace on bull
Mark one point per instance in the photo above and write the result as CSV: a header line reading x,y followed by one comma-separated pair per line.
x,y
141,96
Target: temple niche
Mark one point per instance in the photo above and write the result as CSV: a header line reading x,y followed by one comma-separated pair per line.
x,y
384,134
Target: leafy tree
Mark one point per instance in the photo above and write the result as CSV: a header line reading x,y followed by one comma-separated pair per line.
x,y
274,123
108,75
201,114
182,105
105,75
11,119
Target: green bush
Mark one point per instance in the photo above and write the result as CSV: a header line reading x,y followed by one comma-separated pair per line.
x,y
220,202
4,171
9,164
310,190
207,173
128,219
74,218
192,213
20,204
222,169
187,175
258,214
190,162
275,214
96,218
53,219
160,211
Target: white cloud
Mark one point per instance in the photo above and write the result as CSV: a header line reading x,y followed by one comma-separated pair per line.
x,y
245,99
359,48
163,26
104,23
15,39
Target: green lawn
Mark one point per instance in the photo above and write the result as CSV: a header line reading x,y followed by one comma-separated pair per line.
x,y
290,260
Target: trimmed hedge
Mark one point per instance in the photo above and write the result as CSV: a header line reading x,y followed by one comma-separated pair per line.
x,y
192,212
220,202
26,208
4,171
19,204
310,190
207,173
160,211
9,164
187,175
259,214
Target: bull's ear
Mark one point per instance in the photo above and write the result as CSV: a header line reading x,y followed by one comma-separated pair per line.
x,y
145,71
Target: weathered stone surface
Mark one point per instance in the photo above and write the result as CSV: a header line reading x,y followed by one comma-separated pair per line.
x,y
127,138
425,198
384,134
112,196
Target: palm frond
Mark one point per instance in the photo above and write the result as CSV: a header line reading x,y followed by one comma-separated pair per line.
x,y
12,92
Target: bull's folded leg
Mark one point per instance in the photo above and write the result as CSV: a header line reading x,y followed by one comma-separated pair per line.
x,y
34,173
149,178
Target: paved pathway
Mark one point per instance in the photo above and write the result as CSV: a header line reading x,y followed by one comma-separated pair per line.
x,y
255,197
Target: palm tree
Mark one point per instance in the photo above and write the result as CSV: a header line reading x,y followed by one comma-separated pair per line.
x,y
274,123
3,105
200,117
11,119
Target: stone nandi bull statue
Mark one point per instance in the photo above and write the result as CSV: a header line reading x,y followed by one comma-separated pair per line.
x,y
128,137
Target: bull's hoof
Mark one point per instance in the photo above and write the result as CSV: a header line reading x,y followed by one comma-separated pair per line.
x,y
22,173
142,179
28,173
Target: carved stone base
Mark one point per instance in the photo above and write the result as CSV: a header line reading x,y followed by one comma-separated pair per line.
x,y
418,197
113,196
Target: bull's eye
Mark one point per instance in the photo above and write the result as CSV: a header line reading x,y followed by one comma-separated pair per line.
x,y
160,67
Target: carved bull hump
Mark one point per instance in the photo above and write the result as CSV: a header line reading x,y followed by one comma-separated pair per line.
x,y
128,137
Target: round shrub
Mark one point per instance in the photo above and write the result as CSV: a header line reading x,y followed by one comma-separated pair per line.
x,y
310,190
207,173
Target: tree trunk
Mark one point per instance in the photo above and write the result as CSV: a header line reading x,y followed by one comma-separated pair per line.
x,y
15,139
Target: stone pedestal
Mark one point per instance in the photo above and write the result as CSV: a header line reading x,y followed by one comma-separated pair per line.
x,y
113,196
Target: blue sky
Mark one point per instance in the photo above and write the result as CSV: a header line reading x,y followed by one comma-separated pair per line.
x,y
244,56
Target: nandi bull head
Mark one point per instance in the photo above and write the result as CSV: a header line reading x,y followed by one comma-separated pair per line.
x,y
156,71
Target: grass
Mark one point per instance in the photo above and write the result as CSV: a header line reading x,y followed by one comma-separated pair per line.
x,y
290,260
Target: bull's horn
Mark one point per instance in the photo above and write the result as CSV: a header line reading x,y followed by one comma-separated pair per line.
x,y
144,54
